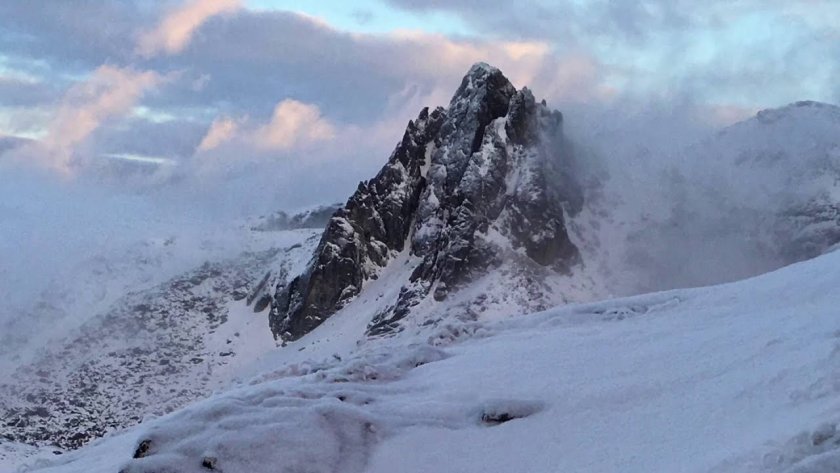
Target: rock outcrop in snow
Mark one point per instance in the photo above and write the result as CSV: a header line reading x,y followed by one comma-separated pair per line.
x,y
490,173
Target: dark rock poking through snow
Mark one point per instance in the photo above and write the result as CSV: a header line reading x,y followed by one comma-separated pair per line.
x,y
501,411
143,449
491,171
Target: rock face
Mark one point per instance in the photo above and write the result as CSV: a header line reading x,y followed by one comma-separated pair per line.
x,y
491,171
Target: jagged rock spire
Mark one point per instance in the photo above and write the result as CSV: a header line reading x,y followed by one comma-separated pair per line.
x,y
493,163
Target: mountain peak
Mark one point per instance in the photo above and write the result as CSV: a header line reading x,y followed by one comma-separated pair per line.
x,y
469,189
807,107
483,83
482,66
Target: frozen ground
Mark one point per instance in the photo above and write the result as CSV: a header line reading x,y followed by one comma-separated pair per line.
x,y
738,377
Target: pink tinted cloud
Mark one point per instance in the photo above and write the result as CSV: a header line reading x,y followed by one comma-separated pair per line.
x,y
293,125
109,92
176,29
576,76
222,130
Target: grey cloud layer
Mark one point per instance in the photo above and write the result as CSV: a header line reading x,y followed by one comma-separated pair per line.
x,y
244,63
781,49
74,35
563,20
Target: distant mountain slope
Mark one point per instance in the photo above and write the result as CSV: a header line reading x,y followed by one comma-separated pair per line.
x,y
148,351
753,197
788,164
316,217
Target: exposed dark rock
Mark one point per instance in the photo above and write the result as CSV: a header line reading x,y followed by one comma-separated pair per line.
x,y
360,236
490,172
259,290
209,462
496,418
262,303
143,449
809,230
501,411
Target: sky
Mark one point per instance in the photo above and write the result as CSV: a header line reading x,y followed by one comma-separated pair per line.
x,y
209,90
249,105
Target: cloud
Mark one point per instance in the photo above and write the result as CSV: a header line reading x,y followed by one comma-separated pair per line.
x,y
173,139
108,93
256,57
751,51
258,162
294,124
176,29
247,63
11,142
344,99
221,130
362,88
53,38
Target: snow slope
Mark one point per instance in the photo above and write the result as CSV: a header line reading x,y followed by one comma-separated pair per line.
x,y
737,377
149,350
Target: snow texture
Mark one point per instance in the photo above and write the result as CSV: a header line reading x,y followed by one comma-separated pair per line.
x,y
739,377
149,352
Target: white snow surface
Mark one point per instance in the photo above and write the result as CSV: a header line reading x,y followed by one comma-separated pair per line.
x,y
738,377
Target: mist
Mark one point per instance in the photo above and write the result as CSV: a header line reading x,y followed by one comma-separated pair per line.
x,y
672,197
71,247
687,201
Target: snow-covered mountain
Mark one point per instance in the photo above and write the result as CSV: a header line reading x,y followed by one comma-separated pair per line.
x,y
150,352
317,217
753,197
787,170
734,378
142,330
486,211
482,187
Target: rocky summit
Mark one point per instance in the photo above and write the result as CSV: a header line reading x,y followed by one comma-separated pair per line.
x,y
485,182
